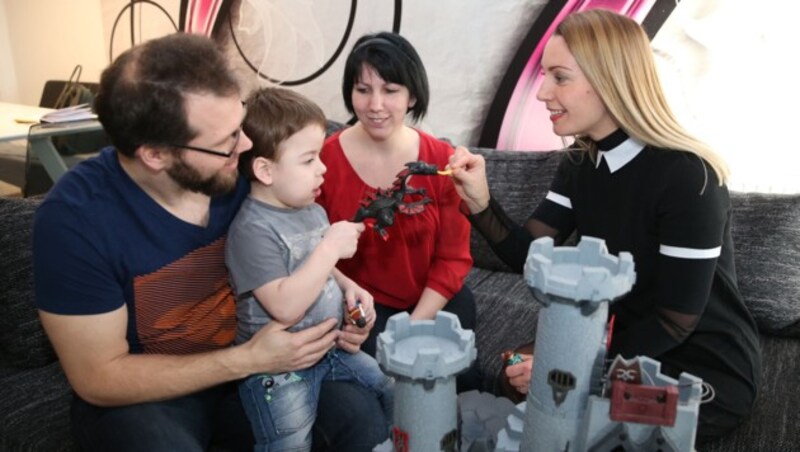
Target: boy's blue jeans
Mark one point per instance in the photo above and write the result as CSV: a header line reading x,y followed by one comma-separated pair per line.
x,y
282,407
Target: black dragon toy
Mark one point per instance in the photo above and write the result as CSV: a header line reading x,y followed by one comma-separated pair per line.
x,y
379,208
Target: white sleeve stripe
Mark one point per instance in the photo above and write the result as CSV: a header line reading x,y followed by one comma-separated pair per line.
x,y
559,199
690,253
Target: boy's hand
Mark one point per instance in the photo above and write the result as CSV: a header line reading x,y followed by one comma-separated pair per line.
x,y
358,301
342,238
351,337
354,293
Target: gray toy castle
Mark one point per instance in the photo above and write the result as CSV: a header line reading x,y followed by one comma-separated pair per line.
x,y
573,404
568,407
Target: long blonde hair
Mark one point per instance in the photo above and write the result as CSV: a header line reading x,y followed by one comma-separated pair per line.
x,y
614,53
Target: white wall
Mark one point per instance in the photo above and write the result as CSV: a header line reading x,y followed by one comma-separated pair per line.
x,y
8,78
149,22
47,38
43,40
729,73
725,64
465,45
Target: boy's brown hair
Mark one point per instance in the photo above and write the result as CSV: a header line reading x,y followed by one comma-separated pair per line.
x,y
274,115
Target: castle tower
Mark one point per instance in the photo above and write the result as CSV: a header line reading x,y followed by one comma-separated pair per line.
x,y
425,356
575,285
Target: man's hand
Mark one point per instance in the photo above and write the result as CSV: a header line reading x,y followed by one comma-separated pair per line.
x,y
275,350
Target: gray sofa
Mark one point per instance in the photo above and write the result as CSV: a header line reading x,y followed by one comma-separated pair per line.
x,y
34,394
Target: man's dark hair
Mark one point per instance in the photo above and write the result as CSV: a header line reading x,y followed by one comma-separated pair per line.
x,y
274,115
395,60
141,95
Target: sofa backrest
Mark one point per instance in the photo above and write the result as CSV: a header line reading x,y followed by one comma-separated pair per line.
x,y
23,343
765,229
518,181
766,240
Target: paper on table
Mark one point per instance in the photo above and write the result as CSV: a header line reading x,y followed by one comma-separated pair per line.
x,y
80,112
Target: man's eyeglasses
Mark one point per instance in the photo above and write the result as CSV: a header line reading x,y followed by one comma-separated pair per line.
x,y
237,135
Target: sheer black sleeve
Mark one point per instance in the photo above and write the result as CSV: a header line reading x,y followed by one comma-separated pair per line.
x,y
507,239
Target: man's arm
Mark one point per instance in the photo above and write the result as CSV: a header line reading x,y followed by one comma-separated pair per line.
x,y
94,353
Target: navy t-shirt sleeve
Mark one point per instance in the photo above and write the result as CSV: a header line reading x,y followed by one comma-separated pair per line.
x,y
70,273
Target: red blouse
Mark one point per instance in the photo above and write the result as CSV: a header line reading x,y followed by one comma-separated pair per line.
x,y
429,249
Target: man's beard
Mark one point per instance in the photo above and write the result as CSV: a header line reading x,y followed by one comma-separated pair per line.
x,y
190,179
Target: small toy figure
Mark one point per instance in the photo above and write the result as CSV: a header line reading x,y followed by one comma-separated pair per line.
x,y
357,316
510,358
379,208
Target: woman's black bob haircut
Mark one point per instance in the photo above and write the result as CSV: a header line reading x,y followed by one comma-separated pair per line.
x,y
395,60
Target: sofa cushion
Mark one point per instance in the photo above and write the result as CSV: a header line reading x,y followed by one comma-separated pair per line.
x,y
766,237
518,181
35,410
333,127
773,424
23,343
506,315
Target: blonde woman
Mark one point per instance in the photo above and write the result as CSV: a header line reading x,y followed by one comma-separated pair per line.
x,y
638,180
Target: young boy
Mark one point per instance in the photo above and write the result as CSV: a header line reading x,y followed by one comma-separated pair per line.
x,y
282,251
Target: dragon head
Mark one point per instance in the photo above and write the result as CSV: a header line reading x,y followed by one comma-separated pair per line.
x,y
420,167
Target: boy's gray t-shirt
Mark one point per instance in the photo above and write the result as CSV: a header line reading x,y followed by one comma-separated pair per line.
x,y
266,243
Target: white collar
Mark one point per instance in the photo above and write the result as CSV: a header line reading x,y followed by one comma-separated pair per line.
x,y
620,155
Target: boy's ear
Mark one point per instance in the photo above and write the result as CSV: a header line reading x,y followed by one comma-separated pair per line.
x,y
262,170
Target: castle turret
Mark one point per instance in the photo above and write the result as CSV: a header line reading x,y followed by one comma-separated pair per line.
x,y
575,285
425,356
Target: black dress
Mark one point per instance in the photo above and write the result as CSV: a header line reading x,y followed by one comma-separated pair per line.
x,y
667,209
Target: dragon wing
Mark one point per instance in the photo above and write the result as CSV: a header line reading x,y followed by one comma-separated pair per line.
x,y
413,208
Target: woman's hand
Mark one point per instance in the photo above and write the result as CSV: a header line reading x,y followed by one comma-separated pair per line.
x,y
519,375
469,177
